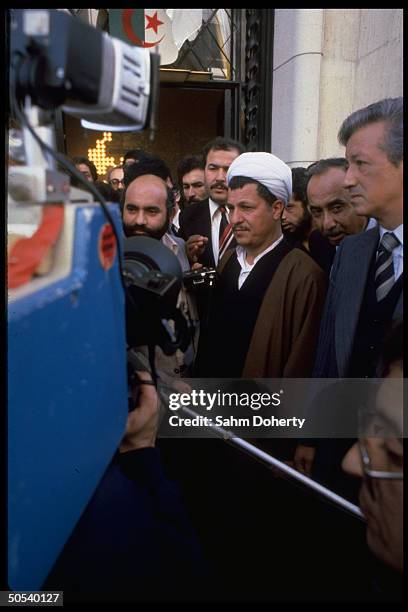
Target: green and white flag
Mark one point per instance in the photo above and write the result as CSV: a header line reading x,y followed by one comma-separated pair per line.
x,y
164,29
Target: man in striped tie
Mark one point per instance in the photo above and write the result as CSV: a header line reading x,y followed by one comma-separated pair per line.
x,y
205,226
365,293
366,280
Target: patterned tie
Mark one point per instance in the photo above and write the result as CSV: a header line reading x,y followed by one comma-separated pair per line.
x,y
384,267
225,233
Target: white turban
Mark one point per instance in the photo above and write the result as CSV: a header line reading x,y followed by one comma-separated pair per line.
x,y
266,169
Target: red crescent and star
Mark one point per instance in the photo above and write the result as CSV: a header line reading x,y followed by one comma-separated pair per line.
x,y
153,23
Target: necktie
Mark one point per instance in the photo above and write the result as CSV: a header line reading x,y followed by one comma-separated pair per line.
x,y
225,233
384,267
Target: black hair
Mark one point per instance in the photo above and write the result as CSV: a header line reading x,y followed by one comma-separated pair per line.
x,y
237,182
299,183
151,165
110,194
137,154
222,144
84,160
187,164
321,166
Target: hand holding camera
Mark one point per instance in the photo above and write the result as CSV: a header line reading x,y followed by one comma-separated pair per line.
x,y
142,423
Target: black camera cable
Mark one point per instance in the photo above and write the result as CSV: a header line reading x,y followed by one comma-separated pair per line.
x,y
20,115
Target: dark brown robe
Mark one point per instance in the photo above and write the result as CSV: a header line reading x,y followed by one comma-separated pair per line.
x,y
284,339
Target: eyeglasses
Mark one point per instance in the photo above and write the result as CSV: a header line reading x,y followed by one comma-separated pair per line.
x,y
370,473
367,466
116,182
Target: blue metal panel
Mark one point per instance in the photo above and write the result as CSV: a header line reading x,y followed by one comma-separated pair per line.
x,y
67,401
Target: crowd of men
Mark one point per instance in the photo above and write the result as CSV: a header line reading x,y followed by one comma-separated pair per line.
x,y
309,284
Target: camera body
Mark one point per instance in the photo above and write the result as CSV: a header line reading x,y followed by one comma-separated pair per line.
x,y
67,369
67,391
199,280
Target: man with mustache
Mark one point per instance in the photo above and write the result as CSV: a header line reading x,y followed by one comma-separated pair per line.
x,y
366,281
149,204
365,293
147,207
263,323
190,173
115,178
330,203
334,216
205,226
269,297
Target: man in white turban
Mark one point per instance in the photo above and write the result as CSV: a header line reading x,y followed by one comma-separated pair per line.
x,y
263,322
269,298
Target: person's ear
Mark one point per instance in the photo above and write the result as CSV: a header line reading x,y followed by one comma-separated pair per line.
x,y
277,209
352,463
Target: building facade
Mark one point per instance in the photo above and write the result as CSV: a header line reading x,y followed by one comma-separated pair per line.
x,y
328,63
291,77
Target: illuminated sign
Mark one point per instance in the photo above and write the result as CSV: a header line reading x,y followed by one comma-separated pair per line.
x,y
99,157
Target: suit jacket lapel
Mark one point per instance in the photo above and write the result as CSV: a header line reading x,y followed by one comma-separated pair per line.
x,y
205,224
399,308
206,221
353,283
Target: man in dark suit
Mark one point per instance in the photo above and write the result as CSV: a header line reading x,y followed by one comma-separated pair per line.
x,y
362,299
205,225
365,292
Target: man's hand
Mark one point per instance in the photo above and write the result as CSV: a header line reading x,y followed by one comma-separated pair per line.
x,y
195,246
303,459
141,428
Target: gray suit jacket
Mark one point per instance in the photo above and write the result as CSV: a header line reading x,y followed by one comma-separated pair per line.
x,y
343,303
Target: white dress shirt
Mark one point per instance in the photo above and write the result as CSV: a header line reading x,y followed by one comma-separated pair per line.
x,y
398,252
215,227
176,220
371,223
246,268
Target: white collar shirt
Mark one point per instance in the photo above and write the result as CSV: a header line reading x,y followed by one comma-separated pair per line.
x,y
371,224
247,268
215,227
176,220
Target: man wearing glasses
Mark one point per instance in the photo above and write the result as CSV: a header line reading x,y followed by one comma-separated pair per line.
x,y
379,462
115,178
